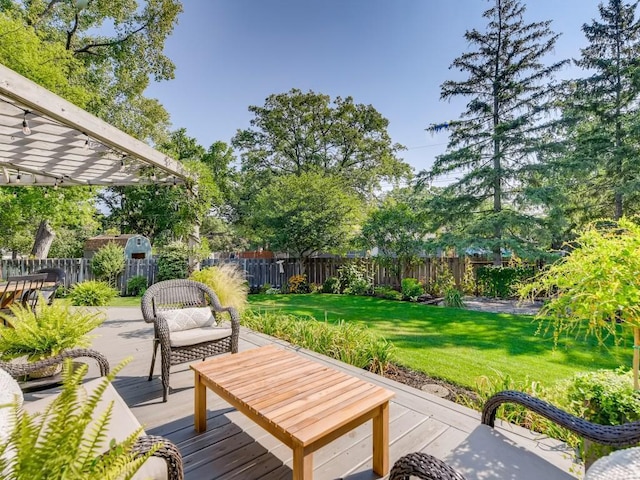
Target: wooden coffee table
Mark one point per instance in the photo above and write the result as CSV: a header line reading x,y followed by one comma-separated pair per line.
x,y
303,403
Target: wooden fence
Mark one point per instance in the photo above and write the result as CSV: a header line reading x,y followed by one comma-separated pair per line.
x,y
259,271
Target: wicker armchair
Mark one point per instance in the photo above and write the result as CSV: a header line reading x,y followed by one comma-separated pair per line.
x,y
21,370
427,467
171,295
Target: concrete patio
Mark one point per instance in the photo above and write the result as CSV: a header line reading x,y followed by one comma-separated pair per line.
x,y
235,447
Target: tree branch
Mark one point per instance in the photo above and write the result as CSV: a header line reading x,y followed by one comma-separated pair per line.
x,y
87,48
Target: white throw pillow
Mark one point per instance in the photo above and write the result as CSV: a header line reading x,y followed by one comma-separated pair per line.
x,y
188,318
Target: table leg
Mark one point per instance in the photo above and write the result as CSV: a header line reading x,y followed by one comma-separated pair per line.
x,y
381,440
200,404
302,464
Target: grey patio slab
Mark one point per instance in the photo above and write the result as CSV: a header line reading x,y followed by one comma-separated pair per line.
x,y
233,447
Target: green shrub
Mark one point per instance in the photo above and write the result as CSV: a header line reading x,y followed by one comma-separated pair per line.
x,y
173,261
606,397
355,278
91,294
347,342
228,283
264,287
453,298
387,293
298,284
411,289
443,280
108,263
136,286
331,285
469,278
501,282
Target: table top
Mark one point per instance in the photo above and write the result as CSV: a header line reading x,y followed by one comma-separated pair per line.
x,y
301,398
18,286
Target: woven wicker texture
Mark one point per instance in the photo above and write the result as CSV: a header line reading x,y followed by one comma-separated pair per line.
x,y
168,452
424,466
619,465
626,435
20,370
175,294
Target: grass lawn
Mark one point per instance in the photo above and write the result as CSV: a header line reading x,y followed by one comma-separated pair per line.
x,y
457,345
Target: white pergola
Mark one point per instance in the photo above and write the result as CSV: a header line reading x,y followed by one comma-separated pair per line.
x,y
67,146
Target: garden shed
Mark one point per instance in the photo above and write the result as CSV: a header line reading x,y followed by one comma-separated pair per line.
x,y
135,246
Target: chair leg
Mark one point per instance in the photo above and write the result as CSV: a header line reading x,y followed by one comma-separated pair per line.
x,y
165,364
153,358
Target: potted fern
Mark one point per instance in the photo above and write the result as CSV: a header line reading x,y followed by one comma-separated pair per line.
x,y
45,331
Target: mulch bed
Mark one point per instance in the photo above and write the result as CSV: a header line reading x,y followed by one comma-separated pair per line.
x,y
417,379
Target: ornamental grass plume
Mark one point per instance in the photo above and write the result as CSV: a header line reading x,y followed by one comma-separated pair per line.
x,y
596,288
228,282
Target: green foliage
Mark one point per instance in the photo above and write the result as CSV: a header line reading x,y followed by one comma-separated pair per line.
x,y
397,228
66,441
45,331
596,283
347,342
355,278
411,289
108,262
173,261
606,397
387,293
468,284
136,286
91,294
297,132
444,280
298,284
306,214
502,282
264,287
488,385
453,298
331,285
228,283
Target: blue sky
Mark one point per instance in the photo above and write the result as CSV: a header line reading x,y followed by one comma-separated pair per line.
x,y
392,54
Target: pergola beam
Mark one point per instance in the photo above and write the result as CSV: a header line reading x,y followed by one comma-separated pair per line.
x,y
32,96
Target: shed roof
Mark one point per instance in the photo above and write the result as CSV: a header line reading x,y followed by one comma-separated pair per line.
x,y
68,146
96,243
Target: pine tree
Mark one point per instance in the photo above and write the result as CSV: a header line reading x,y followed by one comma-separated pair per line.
x,y
492,145
603,116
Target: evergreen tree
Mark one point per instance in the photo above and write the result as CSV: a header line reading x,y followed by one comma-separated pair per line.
x,y
602,113
492,146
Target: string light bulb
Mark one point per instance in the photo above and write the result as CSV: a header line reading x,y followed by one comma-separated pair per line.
x,y
55,184
46,193
25,124
86,143
122,164
18,177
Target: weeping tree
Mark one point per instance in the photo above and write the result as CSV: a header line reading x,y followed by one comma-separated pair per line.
x,y
595,290
508,86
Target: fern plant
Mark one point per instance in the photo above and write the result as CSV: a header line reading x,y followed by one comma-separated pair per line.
x,y
228,282
65,442
46,330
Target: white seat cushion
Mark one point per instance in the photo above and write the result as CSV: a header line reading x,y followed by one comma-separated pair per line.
x,y
122,424
198,335
188,318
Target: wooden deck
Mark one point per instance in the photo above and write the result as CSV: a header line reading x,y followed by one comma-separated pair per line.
x,y
233,447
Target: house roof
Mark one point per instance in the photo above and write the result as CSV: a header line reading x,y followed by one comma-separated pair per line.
x,y
68,146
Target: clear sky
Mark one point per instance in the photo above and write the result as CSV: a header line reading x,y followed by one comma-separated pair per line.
x,y
392,54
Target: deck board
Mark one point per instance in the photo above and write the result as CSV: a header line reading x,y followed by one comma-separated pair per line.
x,y
234,447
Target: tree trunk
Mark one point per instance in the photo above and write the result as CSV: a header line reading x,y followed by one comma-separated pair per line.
x,y
43,241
